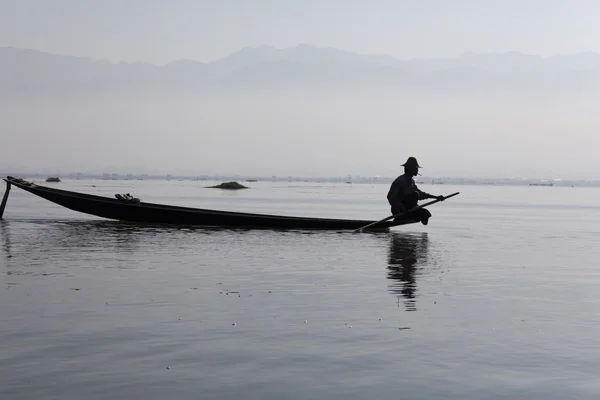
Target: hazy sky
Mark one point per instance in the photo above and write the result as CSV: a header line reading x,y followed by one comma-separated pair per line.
x,y
162,31
549,130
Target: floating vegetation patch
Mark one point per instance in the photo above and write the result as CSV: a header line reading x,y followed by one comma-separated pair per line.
x,y
229,185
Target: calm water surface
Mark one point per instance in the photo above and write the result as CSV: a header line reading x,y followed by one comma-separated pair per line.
x,y
497,298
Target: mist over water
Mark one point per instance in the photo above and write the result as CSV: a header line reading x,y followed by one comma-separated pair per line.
x,y
304,114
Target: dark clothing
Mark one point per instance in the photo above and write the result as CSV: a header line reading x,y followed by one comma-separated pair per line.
x,y
404,191
409,202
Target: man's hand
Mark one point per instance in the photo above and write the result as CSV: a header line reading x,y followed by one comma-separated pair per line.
x,y
440,198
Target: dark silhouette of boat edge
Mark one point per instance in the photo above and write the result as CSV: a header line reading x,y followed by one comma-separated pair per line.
x,y
136,211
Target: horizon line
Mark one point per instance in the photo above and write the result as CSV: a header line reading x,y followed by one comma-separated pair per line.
x,y
288,176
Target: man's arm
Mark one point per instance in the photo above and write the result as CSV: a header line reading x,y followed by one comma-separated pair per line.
x,y
424,195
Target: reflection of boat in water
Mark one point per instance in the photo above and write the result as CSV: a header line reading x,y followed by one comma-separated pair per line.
x,y
74,245
407,253
5,242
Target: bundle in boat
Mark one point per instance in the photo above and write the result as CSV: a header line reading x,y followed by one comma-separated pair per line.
x,y
127,198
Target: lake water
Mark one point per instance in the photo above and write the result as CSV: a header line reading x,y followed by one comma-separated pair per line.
x,y
497,298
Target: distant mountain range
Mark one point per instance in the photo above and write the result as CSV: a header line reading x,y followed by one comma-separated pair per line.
x,y
24,70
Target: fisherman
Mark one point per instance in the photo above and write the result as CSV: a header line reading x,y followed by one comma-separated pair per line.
x,y
404,193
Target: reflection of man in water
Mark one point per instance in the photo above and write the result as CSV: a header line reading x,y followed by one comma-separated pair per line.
x,y
406,253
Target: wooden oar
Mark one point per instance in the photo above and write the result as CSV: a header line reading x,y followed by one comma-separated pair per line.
x,y
405,212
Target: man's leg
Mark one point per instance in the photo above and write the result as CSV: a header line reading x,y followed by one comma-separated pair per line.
x,y
422,214
408,202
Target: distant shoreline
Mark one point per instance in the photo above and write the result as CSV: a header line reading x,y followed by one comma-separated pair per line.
x,y
544,183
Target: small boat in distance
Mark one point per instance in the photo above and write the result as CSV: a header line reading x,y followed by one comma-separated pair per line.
x,y
127,208
541,184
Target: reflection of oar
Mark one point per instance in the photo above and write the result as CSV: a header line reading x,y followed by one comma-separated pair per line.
x,y
405,212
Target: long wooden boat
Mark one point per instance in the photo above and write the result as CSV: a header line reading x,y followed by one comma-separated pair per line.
x,y
142,212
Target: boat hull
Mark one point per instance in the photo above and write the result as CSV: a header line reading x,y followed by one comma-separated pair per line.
x,y
152,213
